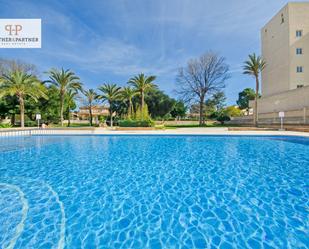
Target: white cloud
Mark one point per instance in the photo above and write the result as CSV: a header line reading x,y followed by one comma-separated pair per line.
x,y
125,37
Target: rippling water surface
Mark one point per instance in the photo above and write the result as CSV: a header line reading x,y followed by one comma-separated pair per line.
x,y
154,192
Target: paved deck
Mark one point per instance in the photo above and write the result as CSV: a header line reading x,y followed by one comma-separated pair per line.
x,y
208,131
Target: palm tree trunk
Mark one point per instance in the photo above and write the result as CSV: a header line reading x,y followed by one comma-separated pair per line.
x,y
90,114
130,109
22,112
255,119
61,108
142,100
13,119
69,118
111,114
142,104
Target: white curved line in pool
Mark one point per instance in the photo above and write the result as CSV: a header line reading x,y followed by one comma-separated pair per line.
x,y
25,207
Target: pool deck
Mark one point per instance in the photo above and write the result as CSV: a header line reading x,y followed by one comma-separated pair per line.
x,y
203,131
178,131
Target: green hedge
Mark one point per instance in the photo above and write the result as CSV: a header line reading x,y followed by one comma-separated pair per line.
x,y
30,123
5,126
136,123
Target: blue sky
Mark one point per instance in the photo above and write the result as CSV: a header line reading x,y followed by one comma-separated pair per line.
x,y
108,41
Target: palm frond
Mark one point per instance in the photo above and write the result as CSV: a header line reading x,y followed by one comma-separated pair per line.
x,y
254,66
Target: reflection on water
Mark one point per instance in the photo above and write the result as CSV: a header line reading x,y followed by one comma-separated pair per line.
x,y
154,192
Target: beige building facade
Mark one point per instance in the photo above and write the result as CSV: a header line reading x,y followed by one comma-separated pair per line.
x,y
285,79
97,111
285,48
83,114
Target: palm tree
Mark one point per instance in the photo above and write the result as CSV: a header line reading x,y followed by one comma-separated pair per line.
x,y
110,93
254,66
127,94
22,85
64,80
70,97
142,83
91,96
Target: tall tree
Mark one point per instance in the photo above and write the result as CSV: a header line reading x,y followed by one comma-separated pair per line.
x,y
64,80
91,97
203,76
215,104
254,66
142,84
244,97
127,94
179,109
70,103
159,104
217,101
21,85
8,65
110,93
9,107
50,109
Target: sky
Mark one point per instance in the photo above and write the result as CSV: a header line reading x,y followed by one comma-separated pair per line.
x,y
109,41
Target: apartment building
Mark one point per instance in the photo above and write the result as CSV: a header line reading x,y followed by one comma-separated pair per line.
x,y
285,48
285,80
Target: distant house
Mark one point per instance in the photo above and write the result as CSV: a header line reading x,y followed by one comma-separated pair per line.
x,y
97,112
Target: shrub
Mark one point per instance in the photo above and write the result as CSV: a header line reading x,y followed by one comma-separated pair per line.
x,y
140,118
5,126
233,111
142,114
102,119
222,117
31,123
136,123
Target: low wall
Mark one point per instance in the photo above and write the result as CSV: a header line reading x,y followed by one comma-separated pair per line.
x,y
178,122
294,103
296,99
293,117
74,121
243,120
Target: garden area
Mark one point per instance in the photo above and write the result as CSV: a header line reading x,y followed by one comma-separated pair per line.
x,y
58,96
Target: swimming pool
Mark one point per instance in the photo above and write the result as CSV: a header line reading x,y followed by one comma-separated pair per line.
x,y
154,192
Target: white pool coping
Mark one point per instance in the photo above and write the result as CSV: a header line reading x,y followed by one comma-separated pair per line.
x,y
207,131
178,131
212,131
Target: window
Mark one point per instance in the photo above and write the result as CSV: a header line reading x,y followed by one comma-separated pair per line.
x,y
299,51
282,18
299,33
299,69
300,86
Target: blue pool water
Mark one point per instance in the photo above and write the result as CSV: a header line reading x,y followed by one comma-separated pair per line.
x,y
154,192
